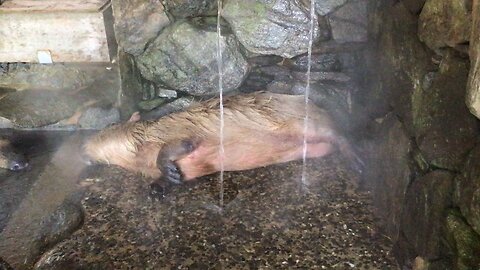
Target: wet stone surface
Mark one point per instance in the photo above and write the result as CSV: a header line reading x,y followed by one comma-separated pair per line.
x,y
267,222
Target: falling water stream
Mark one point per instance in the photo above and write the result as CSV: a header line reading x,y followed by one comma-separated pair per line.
x,y
220,90
304,180
307,92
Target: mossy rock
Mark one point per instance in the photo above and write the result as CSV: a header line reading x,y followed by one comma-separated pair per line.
x,y
464,241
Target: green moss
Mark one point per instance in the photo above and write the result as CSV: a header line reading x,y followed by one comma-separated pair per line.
x,y
241,7
420,161
464,241
250,12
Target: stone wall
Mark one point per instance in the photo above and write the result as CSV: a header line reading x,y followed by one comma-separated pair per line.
x,y
173,46
167,60
424,162
409,72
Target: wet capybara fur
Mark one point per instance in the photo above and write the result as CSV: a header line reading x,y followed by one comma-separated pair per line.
x,y
260,129
9,158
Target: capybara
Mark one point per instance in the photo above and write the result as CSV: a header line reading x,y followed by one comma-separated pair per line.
x,y
9,158
260,129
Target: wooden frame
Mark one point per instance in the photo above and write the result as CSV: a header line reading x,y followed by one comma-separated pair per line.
x,y
69,31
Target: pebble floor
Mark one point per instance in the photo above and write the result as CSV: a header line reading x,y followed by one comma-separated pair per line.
x,y
268,221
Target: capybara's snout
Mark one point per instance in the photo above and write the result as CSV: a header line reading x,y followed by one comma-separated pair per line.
x,y
10,159
18,164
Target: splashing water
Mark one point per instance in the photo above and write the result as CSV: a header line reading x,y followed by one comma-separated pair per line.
x,y
220,89
307,92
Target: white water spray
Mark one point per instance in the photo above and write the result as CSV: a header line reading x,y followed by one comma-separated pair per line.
x,y
220,89
307,92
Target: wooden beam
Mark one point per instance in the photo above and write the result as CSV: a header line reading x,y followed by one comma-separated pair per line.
x,y
53,5
71,31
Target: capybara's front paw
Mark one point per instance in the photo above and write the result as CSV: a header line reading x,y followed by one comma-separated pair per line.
x,y
171,172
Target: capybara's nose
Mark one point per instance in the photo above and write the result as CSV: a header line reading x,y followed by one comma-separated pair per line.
x,y
18,165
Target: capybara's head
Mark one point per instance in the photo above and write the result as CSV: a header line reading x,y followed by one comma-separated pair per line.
x,y
9,158
115,144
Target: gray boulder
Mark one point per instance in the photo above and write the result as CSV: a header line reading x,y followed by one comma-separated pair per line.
x,y
46,77
181,9
184,57
98,118
29,109
148,105
279,27
324,7
137,22
349,23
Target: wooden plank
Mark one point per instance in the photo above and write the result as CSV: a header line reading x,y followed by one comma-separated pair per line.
x,y
52,5
70,37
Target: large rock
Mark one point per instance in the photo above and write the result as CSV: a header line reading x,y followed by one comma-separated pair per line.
x,y
473,87
46,77
423,217
444,129
29,109
38,108
445,23
349,23
190,8
325,7
389,173
279,27
184,57
403,59
467,190
98,118
465,242
137,22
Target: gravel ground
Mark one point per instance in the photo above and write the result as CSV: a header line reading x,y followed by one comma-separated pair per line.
x,y
268,221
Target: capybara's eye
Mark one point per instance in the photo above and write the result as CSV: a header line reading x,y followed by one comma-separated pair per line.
x,y
111,125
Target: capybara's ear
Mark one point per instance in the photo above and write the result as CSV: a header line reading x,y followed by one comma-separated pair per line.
x,y
135,117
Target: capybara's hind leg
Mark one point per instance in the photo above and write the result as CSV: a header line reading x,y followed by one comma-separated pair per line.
x,y
169,154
